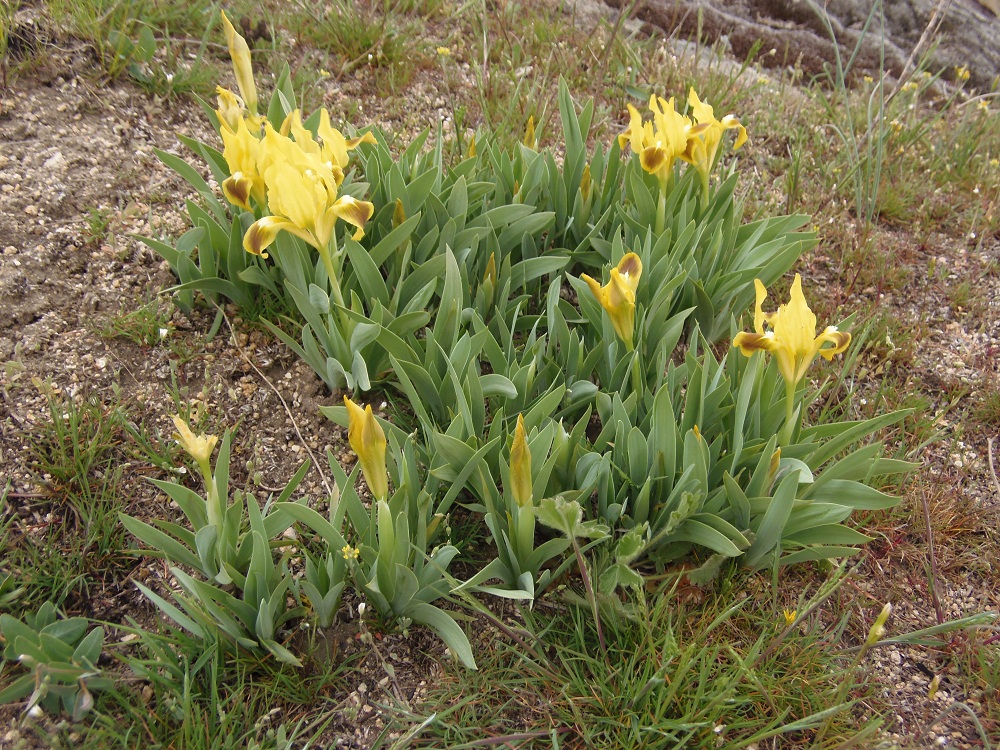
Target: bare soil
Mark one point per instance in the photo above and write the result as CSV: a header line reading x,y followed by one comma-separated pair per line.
x,y
70,146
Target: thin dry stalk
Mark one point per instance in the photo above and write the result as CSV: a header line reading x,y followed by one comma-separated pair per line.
x,y
993,470
932,583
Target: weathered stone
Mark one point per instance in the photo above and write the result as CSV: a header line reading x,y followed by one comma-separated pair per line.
x,y
956,33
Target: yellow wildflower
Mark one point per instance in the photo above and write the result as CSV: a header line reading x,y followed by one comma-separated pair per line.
x,y
618,295
790,335
703,146
302,196
199,447
660,142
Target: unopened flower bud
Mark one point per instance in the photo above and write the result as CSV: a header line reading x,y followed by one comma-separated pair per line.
x,y
878,627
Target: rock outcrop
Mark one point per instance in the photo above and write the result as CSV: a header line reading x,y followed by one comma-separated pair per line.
x,y
955,33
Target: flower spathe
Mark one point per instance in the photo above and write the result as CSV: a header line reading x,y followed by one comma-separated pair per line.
x,y
789,333
520,466
239,51
617,297
367,439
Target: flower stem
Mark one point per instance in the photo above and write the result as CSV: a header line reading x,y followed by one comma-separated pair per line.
x,y
661,208
333,273
216,513
785,436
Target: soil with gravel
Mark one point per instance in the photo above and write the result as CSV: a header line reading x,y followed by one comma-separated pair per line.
x,y
70,147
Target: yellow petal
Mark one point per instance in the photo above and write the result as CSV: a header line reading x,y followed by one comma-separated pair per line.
x,y
729,122
840,340
759,316
749,343
630,269
237,189
654,158
261,234
701,112
353,143
794,323
292,124
520,466
354,212
334,144
621,307
295,195
264,231
240,54
634,134
596,289
240,149
230,109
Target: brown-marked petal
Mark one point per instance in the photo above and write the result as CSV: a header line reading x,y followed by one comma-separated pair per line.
x,y
237,189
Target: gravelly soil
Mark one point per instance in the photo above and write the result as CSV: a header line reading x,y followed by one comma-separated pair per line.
x,y
68,147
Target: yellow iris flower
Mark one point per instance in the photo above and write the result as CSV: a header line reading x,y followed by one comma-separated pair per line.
x,y
790,335
199,447
703,147
618,295
367,439
302,198
659,142
333,147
